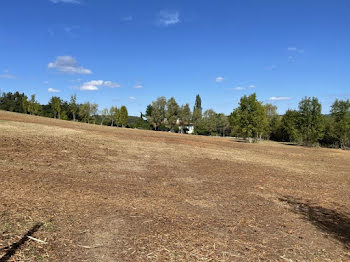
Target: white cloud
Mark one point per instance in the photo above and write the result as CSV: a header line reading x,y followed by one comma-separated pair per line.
x,y
111,84
94,85
132,98
219,79
88,88
7,76
46,82
52,90
240,88
279,98
65,1
138,86
68,64
166,18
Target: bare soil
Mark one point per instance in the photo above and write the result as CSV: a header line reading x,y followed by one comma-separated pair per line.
x,y
97,193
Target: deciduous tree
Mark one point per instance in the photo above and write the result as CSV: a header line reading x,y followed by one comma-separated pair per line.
x,y
341,115
311,122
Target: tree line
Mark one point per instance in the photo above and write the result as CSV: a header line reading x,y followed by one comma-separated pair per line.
x,y
252,119
66,110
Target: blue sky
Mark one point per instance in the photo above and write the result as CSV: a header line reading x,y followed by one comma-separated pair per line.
x,y
130,52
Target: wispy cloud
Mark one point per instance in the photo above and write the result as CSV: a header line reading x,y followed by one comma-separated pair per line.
x,y
138,86
7,75
132,98
127,18
46,82
68,64
66,1
64,30
166,18
240,88
294,52
94,85
52,90
279,98
219,79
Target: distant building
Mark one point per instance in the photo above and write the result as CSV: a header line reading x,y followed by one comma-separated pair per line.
x,y
190,129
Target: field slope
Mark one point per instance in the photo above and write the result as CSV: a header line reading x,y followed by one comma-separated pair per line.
x,y
96,193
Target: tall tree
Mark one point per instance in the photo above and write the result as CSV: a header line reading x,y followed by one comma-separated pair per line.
x,y
222,124
84,112
185,114
25,104
104,115
311,122
112,114
31,105
172,112
55,104
123,116
158,112
73,106
197,110
250,117
340,113
149,110
272,119
117,116
290,126
93,111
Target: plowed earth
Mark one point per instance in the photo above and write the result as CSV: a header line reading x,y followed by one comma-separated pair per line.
x,y
96,193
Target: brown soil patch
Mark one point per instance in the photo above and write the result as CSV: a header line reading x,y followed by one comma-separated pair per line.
x,y
113,194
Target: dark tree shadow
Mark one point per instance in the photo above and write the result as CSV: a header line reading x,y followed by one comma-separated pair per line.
x,y
13,248
329,221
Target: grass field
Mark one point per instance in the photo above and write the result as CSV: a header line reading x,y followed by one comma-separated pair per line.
x,y
96,193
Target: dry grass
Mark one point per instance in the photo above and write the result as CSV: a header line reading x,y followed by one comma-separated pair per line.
x,y
112,194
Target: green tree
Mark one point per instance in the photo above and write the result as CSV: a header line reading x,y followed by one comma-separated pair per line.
x,y
104,115
73,106
117,118
123,116
55,104
185,114
340,113
25,104
272,121
31,105
149,110
311,124
207,125
250,118
290,126
158,112
93,111
112,114
172,112
197,109
84,112
222,124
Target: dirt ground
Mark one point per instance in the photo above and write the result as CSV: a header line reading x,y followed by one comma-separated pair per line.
x,y
96,193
